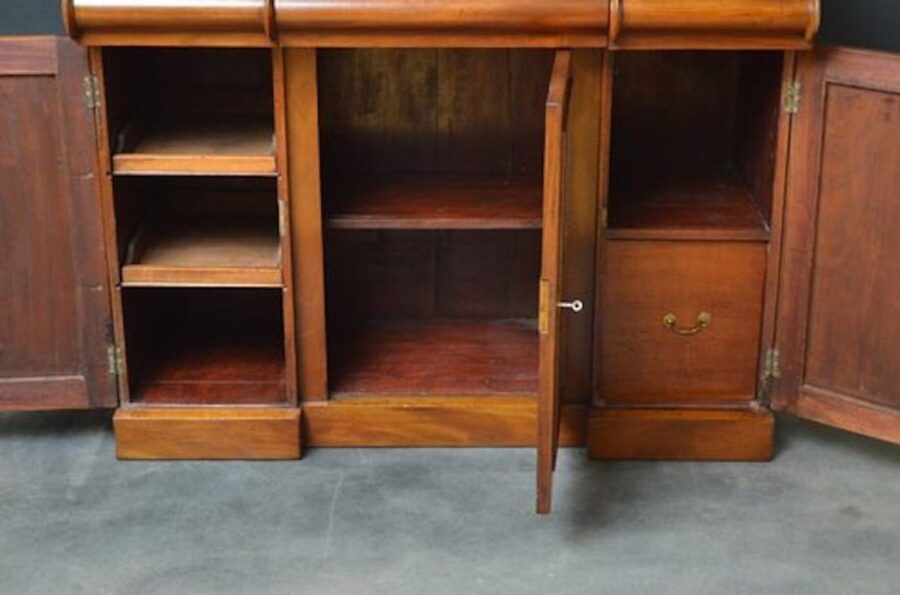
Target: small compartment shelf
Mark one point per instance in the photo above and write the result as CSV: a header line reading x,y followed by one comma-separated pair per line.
x,y
435,202
221,146
694,136
205,347
220,251
715,206
190,111
185,231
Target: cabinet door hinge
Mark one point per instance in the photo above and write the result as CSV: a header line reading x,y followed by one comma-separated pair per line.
x,y
114,360
282,219
91,92
791,99
772,367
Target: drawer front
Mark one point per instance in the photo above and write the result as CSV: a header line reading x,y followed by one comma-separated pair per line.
x,y
713,23
679,322
164,22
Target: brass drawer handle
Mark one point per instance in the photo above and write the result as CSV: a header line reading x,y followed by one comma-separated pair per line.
x,y
703,320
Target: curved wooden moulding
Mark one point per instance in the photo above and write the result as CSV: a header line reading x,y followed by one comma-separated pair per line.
x,y
170,22
457,23
725,24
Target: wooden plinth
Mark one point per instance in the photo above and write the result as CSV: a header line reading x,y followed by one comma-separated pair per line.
x,y
221,433
667,434
434,421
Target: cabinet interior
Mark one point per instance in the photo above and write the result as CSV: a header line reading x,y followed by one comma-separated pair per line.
x,y
693,144
432,167
198,231
167,107
204,346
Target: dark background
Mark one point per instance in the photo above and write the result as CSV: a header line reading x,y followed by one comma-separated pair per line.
x,y
862,23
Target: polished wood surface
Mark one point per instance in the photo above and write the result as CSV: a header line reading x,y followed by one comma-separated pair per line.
x,y
551,294
435,202
713,23
837,332
434,357
213,251
303,169
641,361
681,434
391,421
164,22
54,301
448,23
191,433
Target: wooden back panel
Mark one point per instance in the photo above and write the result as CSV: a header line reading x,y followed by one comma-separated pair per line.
x,y
432,111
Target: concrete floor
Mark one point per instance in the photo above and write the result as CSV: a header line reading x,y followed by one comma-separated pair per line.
x,y
824,517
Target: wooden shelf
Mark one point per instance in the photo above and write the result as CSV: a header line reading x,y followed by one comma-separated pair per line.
x,y
685,207
434,202
212,368
219,252
435,357
228,145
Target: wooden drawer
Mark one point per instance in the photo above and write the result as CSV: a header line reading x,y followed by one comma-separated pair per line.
x,y
164,22
713,23
460,23
644,362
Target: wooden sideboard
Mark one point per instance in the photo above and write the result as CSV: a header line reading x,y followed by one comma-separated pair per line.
x,y
637,226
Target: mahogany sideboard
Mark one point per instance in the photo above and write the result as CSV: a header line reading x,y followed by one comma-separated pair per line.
x,y
638,226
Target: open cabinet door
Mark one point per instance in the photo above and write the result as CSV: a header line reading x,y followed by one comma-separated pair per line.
x,y
838,325
54,303
551,270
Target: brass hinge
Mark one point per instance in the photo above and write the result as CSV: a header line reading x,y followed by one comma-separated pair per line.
x,y
772,367
114,360
544,307
282,219
91,92
791,99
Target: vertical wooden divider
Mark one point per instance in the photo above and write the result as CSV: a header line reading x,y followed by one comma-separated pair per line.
x,y
580,224
284,225
302,130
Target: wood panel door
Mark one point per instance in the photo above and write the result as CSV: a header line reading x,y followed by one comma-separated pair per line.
x,y
54,300
549,321
838,326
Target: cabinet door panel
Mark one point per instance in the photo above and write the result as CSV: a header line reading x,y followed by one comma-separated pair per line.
x,y
839,310
54,306
549,321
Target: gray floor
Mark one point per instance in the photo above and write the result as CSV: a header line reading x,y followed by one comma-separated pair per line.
x,y
824,517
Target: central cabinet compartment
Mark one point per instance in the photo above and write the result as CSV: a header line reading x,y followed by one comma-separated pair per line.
x,y
432,197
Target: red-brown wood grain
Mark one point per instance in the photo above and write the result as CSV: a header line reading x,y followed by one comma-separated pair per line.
x,y
449,23
836,326
54,300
